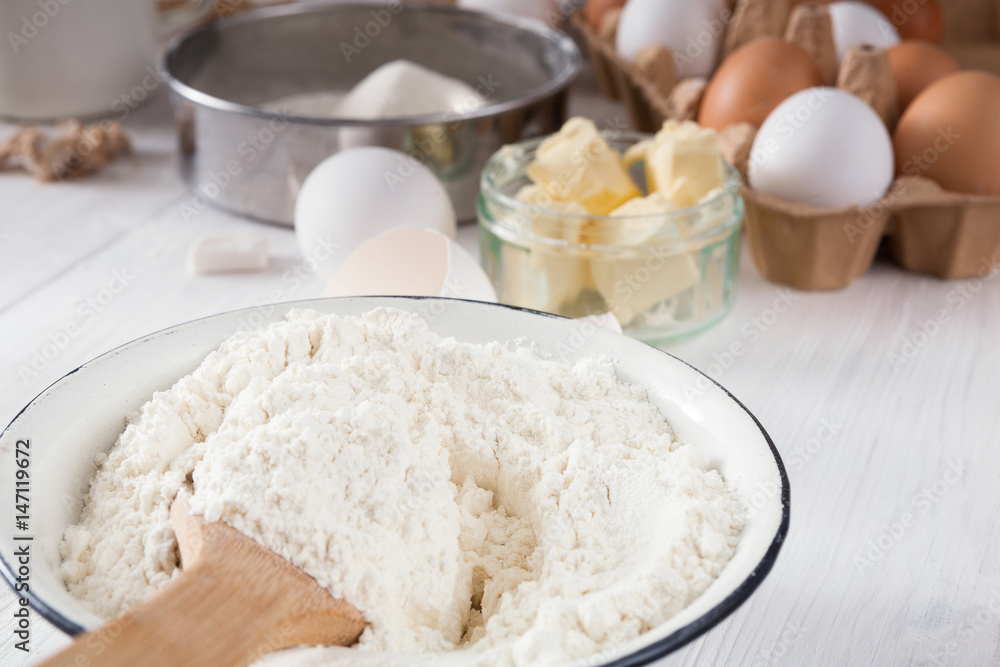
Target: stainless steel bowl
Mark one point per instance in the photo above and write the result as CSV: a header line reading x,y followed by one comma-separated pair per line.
x,y
253,162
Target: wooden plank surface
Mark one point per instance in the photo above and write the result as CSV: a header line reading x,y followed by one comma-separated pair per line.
x,y
863,433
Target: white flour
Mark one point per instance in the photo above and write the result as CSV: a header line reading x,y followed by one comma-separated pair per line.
x,y
459,495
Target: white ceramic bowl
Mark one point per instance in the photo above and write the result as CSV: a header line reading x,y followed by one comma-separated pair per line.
x,y
84,412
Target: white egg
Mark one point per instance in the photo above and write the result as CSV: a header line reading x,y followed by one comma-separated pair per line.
x,y
543,10
411,262
692,29
823,147
360,193
856,23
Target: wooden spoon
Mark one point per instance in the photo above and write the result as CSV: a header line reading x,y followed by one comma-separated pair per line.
x,y
234,602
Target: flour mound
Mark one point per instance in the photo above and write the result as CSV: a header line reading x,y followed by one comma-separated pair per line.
x,y
461,496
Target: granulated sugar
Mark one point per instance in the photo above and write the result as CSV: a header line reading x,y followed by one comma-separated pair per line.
x,y
398,89
459,495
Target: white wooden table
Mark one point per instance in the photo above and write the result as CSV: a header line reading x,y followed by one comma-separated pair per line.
x,y
894,552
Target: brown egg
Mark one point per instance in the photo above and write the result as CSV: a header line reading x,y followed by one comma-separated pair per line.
x,y
595,10
916,65
914,19
754,79
951,132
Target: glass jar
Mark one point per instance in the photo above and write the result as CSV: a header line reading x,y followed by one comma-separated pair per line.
x,y
665,276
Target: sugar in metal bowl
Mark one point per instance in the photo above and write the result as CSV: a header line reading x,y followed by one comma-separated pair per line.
x,y
239,156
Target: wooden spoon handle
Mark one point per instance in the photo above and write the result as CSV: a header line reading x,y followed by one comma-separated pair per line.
x,y
234,602
193,622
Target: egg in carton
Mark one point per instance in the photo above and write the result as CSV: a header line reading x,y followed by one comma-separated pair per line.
x,y
930,229
649,92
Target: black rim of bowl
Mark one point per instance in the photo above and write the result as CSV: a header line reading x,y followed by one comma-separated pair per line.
x,y
644,656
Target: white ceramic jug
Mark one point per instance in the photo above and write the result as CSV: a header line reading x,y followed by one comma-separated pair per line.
x,y
80,58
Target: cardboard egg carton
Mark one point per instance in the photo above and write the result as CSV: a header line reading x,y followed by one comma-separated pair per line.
x,y
929,230
617,78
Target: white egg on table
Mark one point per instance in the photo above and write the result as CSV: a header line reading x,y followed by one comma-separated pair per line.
x,y
823,147
360,193
857,23
543,10
692,29
411,262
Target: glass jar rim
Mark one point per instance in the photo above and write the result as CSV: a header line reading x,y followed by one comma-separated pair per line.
x,y
489,188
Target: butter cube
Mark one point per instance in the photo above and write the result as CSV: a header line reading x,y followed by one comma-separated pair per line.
x,y
542,279
551,280
683,162
631,286
538,196
576,164
638,220
565,227
652,204
637,152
